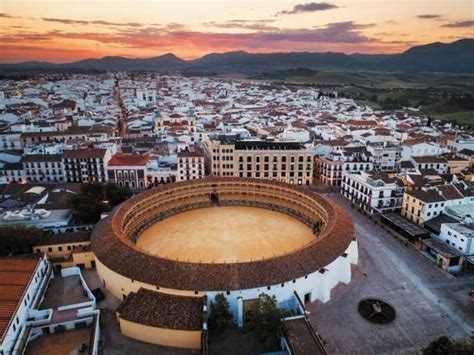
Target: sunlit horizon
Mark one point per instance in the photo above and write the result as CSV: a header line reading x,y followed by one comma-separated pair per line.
x,y
64,31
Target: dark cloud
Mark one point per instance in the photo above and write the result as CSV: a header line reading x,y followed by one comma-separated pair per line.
x,y
429,16
65,21
309,7
96,22
4,15
108,23
460,24
25,37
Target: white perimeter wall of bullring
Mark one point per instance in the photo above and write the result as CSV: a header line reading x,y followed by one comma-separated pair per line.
x,y
318,284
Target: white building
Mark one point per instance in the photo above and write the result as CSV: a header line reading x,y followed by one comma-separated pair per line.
x,y
375,193
386,156
418,149
458,236
43,168
22,283
439,164
190,165
422,205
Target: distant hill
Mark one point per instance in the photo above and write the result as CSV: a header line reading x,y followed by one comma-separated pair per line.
x,y
456,57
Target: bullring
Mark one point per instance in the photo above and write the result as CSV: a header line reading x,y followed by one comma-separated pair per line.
x,y
311,270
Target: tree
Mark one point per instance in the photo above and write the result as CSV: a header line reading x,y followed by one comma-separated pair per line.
x,y
265,319
220,317
88,204
444,345
96,198
116,194
18,239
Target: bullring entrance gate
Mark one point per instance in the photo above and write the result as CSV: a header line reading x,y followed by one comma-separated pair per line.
x,y
214,197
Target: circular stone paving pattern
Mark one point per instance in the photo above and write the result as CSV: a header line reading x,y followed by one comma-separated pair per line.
x,y
376,311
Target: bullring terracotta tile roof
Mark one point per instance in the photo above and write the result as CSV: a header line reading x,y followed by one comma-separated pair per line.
x,y
162,310
15,276
123,257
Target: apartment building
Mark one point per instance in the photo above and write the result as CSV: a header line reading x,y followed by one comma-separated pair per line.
x,y
290,162
386,157
84,133
10,141
45,168
426,203
372,192
191,165
85,165
440,164
329,168
12,173
128,170
417,148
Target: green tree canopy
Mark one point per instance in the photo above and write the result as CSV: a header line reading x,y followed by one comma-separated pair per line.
x,y
265,319
445,345
96,198
19,239
220,317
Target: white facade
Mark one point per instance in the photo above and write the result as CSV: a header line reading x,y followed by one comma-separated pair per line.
x,y
310,288
372,193
385,157
421,149
458,236
29,300
190,167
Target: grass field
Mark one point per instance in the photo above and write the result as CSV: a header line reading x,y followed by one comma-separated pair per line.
x,y
465,118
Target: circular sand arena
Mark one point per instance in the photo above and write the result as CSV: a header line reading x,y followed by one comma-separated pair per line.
x,y
225,234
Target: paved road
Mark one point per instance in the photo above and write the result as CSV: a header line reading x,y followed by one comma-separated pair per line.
x,y
429,302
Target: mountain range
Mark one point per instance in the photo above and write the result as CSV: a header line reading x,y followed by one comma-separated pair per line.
x,y
456,58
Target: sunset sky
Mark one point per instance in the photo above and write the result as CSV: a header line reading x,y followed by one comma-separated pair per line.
x,y
68,30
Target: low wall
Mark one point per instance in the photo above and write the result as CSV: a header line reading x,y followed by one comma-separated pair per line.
x,y
189,339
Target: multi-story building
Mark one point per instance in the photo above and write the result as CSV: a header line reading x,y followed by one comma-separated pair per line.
x,y
426,203
374,193
417,148
461,142
386,156
128,170
290,162
440,164
456,163
329,168
191,165
12,173
10,141
84,133
85,165
459,236
46,168
22,285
